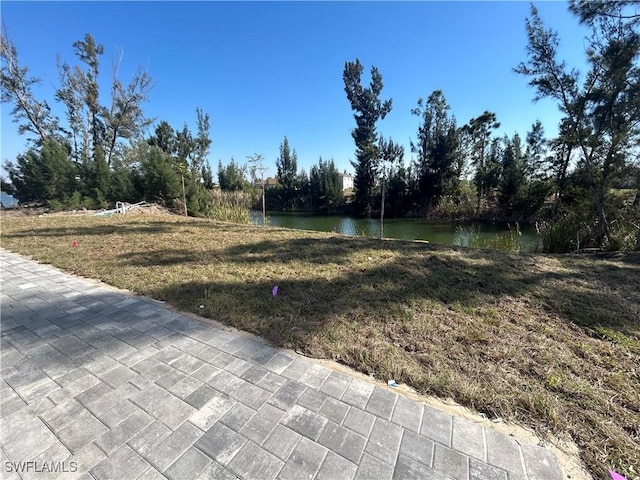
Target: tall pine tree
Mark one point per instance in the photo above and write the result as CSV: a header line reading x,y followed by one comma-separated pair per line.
x,y
368,108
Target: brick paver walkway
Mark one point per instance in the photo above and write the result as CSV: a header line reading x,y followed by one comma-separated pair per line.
x,y
99,384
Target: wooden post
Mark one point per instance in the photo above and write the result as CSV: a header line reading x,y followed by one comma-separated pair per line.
x,y
382,210
184,197
264,213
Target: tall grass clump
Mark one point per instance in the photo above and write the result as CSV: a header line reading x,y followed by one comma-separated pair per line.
x,y
509,241
230,206
467,236
563,234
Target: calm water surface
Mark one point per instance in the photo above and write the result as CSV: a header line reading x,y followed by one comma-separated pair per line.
x,y
478,234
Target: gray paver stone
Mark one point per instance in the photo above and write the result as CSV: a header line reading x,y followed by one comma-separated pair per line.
x,y
381,403
279,363
123,464
254,374
468,438
189,466
334,410
117,376
117,414
408,414
384,441
81,431
336,467
226,382
171,448
417,447
151,474
540,463
212,411
262,424
315,376
216,471
342,441
450,462
222,360
238,416
110,441
185,387
296,369
237,367
171,378
370,467
359,421
358,393
208,355
205,373
409,469
312,400
336,384
437,425
482,471
146,440
58,417
287,395
37,441
305,422
504,452
272,382
251,395
200,396
255,462
282,441
221,443
103,404
304,462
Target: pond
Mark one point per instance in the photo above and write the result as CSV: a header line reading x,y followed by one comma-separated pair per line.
x,y
465,234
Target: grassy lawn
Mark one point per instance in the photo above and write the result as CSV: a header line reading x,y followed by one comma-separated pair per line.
x,y
549,342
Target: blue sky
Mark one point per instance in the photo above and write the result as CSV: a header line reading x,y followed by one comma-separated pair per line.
x,y
263,70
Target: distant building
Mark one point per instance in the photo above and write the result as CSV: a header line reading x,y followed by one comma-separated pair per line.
x,y
347,181
270,182
7,201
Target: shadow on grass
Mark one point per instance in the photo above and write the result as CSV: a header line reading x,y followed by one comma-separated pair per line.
x,y
96,227
322,278
95,230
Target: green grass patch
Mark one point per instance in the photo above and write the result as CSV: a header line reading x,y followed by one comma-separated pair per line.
x,y
550,342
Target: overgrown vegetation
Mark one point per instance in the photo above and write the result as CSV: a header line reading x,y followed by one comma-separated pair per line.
x,y
507,241
230,206
550,342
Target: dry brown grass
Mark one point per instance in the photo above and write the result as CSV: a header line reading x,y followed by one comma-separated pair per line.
x,y
550,342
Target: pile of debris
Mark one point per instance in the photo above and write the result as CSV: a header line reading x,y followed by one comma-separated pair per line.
x,y
124,207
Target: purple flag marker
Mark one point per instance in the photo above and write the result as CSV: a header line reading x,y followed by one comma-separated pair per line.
x,y
616,476
274,292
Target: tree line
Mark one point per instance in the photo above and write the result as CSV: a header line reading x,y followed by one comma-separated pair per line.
x,y
100,154
572,182
573,185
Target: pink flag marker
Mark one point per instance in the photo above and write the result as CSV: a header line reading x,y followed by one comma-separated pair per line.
x,y
274,292
616,476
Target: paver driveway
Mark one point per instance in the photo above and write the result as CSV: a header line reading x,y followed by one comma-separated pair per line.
x,y
100,384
